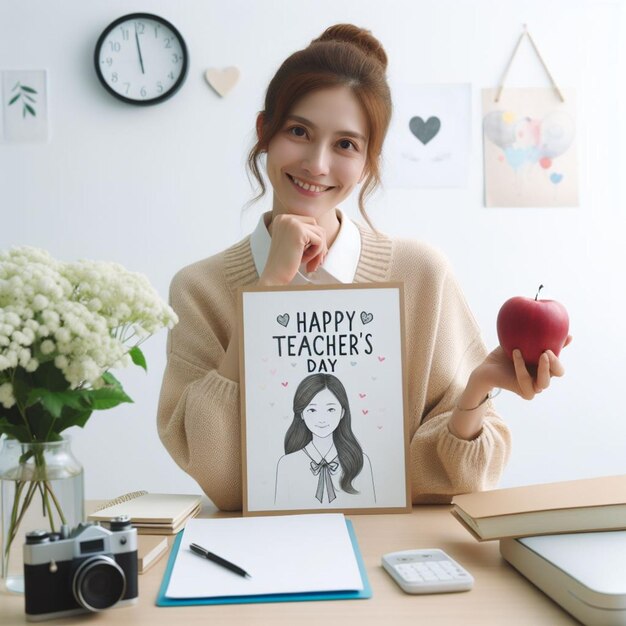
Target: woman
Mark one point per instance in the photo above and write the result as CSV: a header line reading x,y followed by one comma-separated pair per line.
x,y
323,462
326,113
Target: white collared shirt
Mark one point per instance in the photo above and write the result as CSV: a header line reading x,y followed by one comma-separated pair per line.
x,y
340,263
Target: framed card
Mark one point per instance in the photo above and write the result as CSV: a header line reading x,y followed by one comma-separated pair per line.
x,y
323,399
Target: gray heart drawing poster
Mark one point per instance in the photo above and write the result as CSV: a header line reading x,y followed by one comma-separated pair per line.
x,y
428,144
323,399
529,147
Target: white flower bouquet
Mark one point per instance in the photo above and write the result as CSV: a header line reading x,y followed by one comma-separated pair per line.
x,y
63,327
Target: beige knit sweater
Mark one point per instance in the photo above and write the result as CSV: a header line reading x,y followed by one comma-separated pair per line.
x,y
198,416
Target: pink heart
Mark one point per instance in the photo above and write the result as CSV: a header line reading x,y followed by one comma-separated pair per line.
x,y
362,395
501,158
379,427
272,372
381,358
284,384
365,411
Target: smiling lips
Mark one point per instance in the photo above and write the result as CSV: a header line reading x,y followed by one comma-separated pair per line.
x,y
311,188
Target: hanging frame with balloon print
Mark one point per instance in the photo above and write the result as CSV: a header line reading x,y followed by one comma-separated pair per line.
x,y
529,148
323,399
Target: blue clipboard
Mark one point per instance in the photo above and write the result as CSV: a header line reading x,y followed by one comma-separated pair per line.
x,y
364,593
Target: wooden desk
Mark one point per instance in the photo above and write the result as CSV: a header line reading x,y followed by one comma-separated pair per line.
x,y
500,595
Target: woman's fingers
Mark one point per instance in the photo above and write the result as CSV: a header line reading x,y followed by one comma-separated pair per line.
x,y
543,374
556,367
524,379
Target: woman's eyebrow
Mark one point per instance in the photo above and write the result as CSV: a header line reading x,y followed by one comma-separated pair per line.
x,y
348,133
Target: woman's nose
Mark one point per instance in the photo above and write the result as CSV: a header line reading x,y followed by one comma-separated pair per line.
x,y
317,161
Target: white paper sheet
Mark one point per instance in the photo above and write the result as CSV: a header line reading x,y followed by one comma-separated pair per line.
x,y
282,554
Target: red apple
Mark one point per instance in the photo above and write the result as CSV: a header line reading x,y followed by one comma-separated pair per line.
x,y
533,326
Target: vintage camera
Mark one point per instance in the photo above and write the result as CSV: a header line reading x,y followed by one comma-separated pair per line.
x,y
90,568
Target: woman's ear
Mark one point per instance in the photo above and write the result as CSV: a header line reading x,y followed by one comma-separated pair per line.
x,y
260,120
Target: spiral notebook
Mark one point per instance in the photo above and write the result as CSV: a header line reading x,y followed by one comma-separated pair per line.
x,y
151,513
328,564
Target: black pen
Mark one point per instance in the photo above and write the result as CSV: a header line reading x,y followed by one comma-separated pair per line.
x,y
218,559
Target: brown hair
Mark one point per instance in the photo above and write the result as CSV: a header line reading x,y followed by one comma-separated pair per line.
x,y
343,55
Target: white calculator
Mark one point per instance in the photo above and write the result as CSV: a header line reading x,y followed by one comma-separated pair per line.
x,y
427,571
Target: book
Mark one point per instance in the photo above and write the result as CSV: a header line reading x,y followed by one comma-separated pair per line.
x,y
150,548
590,504
151,513
283,567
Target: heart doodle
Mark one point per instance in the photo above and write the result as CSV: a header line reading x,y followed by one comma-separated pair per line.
x,y
364,411
425,131
381,358
272,372
353,363
283,320
284,384
366,318
362,395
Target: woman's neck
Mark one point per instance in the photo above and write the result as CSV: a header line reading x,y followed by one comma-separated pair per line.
x,y
322,444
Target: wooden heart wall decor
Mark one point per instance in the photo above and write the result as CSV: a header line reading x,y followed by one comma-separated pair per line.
x,y
222,81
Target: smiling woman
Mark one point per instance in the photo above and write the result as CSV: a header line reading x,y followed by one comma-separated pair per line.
x,y
325,116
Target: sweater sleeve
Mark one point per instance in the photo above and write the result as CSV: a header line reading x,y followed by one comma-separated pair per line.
x,y
445,350
444,465
199,413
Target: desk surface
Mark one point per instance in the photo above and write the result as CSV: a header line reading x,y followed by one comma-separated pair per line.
x,y
500,595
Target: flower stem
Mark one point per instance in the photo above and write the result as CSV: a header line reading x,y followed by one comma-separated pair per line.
x,y
56,503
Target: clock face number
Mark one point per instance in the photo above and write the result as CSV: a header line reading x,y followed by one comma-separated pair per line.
x,y
141,58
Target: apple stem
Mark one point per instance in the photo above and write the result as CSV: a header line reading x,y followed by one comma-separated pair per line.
x,y
538,290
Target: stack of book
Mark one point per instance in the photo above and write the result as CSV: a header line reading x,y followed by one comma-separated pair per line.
x,y
567,538
151,513
590,504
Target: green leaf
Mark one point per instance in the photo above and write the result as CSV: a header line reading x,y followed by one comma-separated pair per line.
x,y
105,398
54,401
138,357
30,98
111,381
30,109
14,99
50,377
14,431
28,89
71,417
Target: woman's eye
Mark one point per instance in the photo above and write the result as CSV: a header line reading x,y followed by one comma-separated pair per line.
x,y
297,131
331,409
310,410
347,144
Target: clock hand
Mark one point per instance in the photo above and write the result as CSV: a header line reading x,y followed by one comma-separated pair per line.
x,y
139,50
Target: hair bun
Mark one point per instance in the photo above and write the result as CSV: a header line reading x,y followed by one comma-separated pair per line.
x,y
360,37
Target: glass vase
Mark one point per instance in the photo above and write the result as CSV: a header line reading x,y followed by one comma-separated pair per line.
x,y
42,488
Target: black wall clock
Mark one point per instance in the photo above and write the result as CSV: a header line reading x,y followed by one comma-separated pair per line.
x,y
141,58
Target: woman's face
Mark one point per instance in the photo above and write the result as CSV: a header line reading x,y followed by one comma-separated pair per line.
x,y
323,414
322,143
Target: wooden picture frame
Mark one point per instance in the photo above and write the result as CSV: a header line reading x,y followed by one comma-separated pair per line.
x,y
323,365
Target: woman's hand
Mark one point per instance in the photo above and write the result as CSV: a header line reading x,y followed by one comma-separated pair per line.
x,y
295,240
497,370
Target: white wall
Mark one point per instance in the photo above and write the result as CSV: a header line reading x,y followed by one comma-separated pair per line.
x,y
158,187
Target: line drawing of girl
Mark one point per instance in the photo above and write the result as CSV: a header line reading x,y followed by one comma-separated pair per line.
x,y
323,461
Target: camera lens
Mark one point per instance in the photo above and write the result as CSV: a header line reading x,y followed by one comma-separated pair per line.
x,y
99,583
